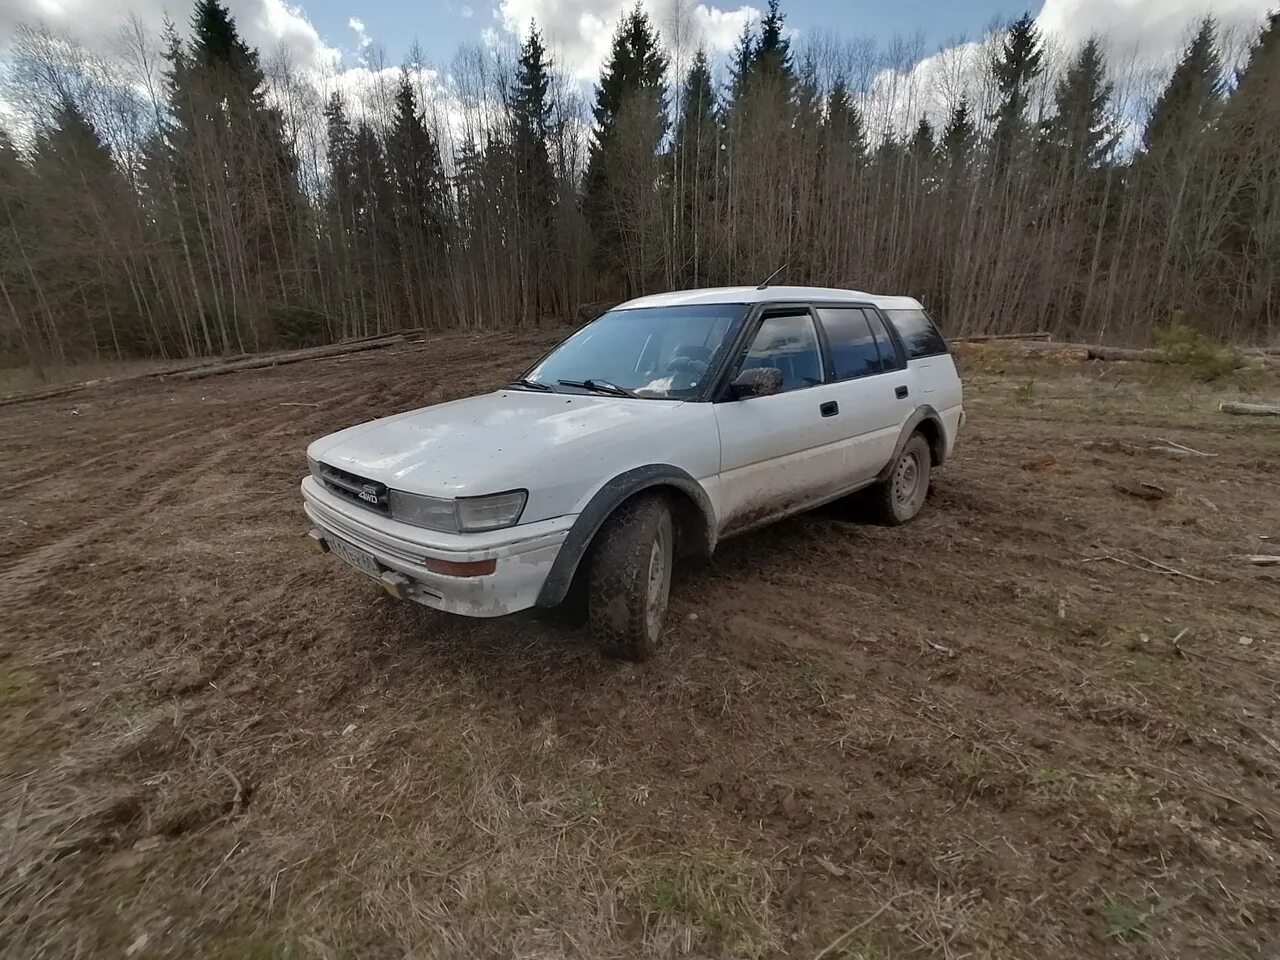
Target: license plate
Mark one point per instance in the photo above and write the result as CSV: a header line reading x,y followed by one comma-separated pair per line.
x,y
360,559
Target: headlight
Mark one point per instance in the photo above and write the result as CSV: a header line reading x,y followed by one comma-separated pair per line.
x,y
314,467
465,515
430,512
492,512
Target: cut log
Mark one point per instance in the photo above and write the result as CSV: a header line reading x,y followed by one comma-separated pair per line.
x,y
1126,353
1250,409
987,337
293,356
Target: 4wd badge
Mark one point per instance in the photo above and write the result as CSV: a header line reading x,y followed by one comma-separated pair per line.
x,y
369,494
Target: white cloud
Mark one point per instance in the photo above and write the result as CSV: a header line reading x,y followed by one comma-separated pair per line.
x,y
466,12
270,25
1143,39
578,32
1158,28
356,24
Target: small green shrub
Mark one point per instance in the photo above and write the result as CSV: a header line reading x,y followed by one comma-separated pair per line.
x,y
1182,343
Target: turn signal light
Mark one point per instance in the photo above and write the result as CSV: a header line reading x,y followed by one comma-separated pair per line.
x,y
451,568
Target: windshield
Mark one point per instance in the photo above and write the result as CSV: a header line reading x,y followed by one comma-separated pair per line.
x,y
653,352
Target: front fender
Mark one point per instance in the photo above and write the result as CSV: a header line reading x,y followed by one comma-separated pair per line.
x,y
605,501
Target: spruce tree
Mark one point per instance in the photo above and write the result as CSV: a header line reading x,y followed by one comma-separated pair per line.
x,y
235,175
1249,151
1019,62
846,138
740,64
922,146
695,156
80,194
630,120
413,161
534,182
772,60
959,137
1190,100
1080,133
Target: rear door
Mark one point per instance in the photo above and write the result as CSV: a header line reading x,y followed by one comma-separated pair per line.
x,y
781,453
868,370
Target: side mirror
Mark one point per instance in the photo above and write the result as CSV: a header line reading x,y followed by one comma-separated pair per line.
x,y
756,382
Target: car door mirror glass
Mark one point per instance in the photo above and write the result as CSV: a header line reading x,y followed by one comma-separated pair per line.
x,y
756,382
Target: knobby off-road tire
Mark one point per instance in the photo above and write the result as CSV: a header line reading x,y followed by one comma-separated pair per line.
x,y
629,580
900,497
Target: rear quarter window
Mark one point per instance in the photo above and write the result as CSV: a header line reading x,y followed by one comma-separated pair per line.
x,y
918,333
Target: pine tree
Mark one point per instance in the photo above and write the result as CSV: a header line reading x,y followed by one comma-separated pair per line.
x,y
1080,133
1019,62
630,120
1191,99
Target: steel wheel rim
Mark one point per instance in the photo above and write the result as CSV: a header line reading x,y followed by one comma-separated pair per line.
x,y
656,593
906,480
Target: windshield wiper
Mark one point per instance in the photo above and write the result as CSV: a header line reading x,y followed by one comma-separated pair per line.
x,y
526,384
598,386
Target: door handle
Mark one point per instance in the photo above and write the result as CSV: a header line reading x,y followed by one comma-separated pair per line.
x,y
829,409
900,392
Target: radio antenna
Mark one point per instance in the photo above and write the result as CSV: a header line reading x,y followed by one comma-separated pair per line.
x,y
769,279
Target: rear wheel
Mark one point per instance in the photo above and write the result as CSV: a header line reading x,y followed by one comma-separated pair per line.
x,y
900,497
629,580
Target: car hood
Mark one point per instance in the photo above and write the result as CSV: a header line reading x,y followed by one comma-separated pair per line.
x,y
510,439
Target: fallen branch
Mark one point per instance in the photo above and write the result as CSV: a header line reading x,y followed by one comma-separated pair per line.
x,y
293,356
844,937
1182,446
1156,566
1250,409
1260,559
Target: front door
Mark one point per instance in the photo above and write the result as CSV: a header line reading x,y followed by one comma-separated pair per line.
x,y
780,453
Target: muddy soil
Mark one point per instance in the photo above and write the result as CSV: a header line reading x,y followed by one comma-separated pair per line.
x,y
1041,721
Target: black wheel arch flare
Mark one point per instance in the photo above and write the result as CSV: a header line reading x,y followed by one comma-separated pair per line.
x,y
699,536
937,443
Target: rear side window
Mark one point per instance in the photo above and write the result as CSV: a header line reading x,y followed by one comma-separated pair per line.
x,y
919,335
854,352
891,356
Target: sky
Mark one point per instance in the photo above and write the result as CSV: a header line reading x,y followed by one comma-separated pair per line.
x,y
334,35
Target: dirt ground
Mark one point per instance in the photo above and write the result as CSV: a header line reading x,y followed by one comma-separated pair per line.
x,y
1041,721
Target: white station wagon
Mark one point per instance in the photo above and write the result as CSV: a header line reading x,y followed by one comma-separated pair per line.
x,y
668,424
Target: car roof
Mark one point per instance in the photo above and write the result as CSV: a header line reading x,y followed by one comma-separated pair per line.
x,y
712,295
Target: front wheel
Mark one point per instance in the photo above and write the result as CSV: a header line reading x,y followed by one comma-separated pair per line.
x,y
900,497
629,580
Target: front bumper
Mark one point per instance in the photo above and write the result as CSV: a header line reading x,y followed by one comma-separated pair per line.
x,y
524,555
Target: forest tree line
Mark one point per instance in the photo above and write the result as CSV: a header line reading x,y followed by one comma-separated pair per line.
x,y
192,201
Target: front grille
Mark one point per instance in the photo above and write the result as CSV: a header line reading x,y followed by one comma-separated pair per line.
x,y
367,493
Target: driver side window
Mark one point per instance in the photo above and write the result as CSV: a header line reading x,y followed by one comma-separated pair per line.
x,y
790,344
